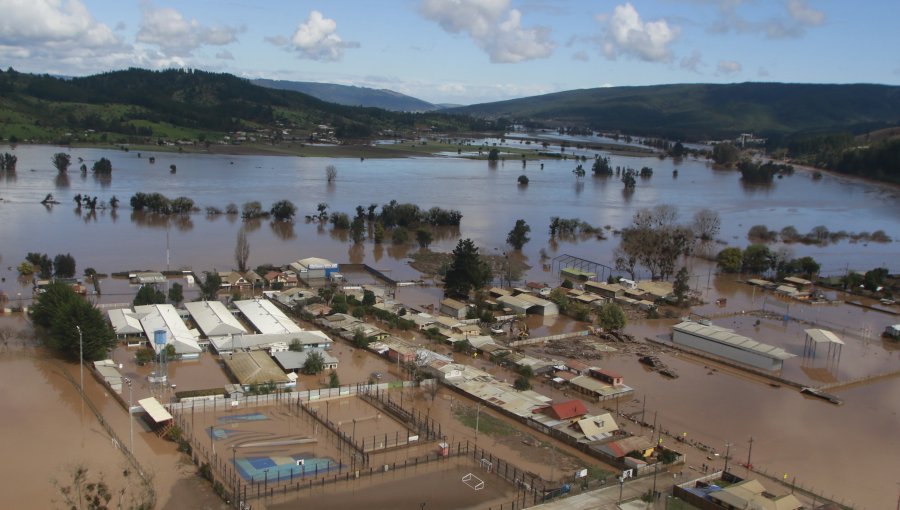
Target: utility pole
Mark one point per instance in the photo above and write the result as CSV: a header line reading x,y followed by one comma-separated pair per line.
x,y
130,418
81,359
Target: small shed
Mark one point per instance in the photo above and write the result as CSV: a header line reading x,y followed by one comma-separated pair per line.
x,y
454,308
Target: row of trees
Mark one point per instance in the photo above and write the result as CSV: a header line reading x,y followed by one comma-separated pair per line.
x,y
160,204
655,240
8,162
817,235
61,266
759,259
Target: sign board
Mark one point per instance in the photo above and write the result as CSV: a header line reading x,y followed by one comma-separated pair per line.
x,y
628,473
581,474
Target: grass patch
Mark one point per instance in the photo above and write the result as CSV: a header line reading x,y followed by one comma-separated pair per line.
x,y
487,424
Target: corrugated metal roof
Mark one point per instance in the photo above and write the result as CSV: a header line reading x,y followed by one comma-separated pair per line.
x,y
124,322
729,337
255,367
294,360
213,318
166,318
823,336
156,411
266,317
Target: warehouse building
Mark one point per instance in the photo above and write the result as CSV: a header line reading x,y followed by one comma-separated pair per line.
x,y
725,343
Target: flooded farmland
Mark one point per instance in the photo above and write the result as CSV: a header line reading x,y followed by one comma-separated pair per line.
x,y
846,449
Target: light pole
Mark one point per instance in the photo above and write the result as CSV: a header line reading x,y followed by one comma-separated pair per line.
x,y
477,416
727,454
130,418
81,359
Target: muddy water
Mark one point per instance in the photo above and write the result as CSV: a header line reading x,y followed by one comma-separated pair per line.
x,y
488,198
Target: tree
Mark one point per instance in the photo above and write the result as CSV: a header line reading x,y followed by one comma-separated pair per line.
x,y
176,293
41,263
358,230
378,234
333,380
579,171
424,237
467,271
359,339
102,167
368,298
314,364
611,317
399,235
522,383
64,266
210,286
283,210
518,236
61,161
680,287
330,173
628,179
725,154
730,260
706,224
251,210
757,259
67,312
493,155
149,295
523,180
241,250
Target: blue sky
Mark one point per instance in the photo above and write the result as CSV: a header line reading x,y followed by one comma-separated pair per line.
x,y
464,51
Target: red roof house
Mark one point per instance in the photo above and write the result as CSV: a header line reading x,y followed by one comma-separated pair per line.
x,y
568,410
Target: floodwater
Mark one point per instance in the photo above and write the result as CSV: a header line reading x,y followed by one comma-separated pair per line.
x,y
489,199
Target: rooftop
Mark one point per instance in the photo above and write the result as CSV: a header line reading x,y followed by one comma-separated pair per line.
x,y
255,367
124,322
294,360
266,317
823,336
166,318
729,337
213,318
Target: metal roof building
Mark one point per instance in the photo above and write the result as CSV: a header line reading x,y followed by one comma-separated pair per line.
x,y
515,303
255,367
294,360
266,317
539,306
165,317
124,322
308,339
214,319
726,343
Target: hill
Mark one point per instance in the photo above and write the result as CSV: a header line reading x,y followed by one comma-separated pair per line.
x,y
352,96
708,111
136,104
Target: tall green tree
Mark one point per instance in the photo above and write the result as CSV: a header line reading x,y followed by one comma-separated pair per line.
x,y
518,236
424,237
283,210
149,295
730,260
210,286
681,287
757,259
176,293
62,312
467,270
64,266
314,364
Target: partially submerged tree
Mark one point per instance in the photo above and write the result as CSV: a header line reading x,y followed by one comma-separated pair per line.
x,y
241,251
518,236
283,210
611,317
149,295
314,364
330,173
61,161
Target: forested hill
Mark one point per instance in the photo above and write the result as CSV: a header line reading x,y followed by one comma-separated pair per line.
x,y
707,111
135,101
353,96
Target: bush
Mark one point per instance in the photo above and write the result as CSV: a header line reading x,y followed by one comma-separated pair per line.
x,y
523,180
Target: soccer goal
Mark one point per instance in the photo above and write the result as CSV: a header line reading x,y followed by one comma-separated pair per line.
x,y
473,481
487,465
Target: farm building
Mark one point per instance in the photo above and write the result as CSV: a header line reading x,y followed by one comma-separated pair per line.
x,y
726,343
515,303
606,290
124,322
539,306
576,275
308,340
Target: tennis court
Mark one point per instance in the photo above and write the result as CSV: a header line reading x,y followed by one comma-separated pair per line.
x,y
283,467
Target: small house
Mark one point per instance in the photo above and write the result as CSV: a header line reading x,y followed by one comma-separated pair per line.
x,y
454,308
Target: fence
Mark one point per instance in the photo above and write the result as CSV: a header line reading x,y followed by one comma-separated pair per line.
x,y
423,425
129,455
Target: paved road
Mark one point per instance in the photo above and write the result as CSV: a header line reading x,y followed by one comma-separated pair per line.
x,y
608,497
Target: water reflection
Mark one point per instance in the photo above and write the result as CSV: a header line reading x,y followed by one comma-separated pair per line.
x,y
182,222
61,180
378,252
756,188
339,234
579,186
398,251
283,230
252,225
103,180
356,254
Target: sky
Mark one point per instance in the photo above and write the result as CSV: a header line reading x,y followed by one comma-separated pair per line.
x,y
464,51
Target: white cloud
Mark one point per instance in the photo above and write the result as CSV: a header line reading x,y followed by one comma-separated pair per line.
x,y
224,55
580,56
627,34
728,67
56,36
175,36
798,16
493,26
691,63
316,39
801,12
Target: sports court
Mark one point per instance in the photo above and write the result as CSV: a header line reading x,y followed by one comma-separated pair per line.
x,y
281,467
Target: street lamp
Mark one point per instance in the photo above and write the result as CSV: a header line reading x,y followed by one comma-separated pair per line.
x,y
727,454
130,417
81,359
